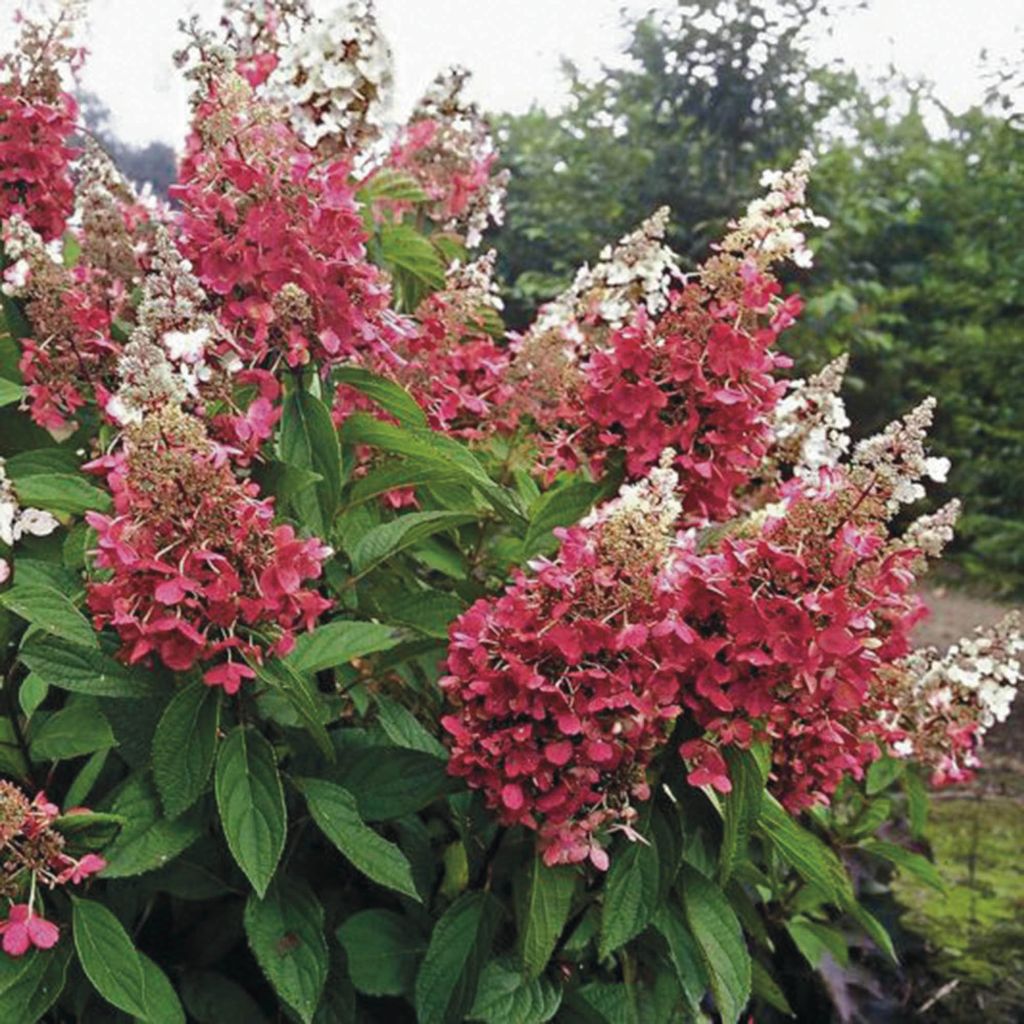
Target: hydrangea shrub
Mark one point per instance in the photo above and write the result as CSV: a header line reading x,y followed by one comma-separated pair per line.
x,y
391,666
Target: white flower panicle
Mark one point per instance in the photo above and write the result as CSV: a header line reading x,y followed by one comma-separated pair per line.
x,y
336,79
474,282
945,703
898,459
164,360
931,533
811,423
16,522
770,230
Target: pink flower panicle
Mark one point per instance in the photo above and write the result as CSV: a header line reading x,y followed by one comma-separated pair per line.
x,y
33,855
196,571
37,120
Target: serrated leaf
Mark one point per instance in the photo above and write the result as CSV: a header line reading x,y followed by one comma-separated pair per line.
x,y
460,944
875,929
883,773
630,896
387,540
543,911
285,931
108,957
335,644
80,669
308,440
433,448
162,1003
504,996
392,782
250,799
10,392
740,809
562,506
147,840
75,730
392,184
683,953
383,951
88,830
184,746
398,474
31,984
907,860
213,999
429,612
719,938
49,611
335,811
808,855
814,939
60,492
765,988
391,397
303,697
403,728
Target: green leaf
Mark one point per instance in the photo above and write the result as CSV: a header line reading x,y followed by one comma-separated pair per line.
x,y
184,746
907,860
811,858
389,396
303,697
335,644
285,930
336,813
88,830
81,787
719,938
562,506
391,782
504,996
75,730
32,693
545,897
883,773
147,841
630,896
162,1003
70,666
429,612
403,728
383,951
433,449
31,984
387,540
767,990
875,929
460,944
10,392
402,247
50,612
917,802
683,953
400,473
250,799
389,183
213,999
60,492
814,939
740,809
109,958
309,441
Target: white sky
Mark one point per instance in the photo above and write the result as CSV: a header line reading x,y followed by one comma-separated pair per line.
x,y
513,48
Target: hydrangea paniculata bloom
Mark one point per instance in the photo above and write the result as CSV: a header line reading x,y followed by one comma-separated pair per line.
x,y
33,855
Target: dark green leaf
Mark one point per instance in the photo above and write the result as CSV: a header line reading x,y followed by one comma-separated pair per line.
x,y
213,999
683,953
446,985
883,773
250,799
392,782
504,996
309,441
740,809
388,539
335,811
335,644
630,896
184,745
109,958
906,860
285,930
562,506
383,950
719,939
31,984
77,729
50,612
60,492
303,697
543,910
389,396
80,669
766,989
404,730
